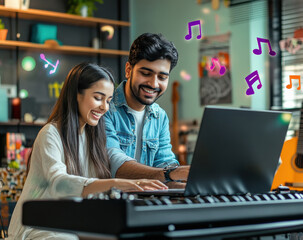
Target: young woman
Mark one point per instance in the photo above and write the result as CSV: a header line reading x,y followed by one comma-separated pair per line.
x,y
69,154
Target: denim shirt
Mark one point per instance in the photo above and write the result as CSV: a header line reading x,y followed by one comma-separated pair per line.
x,y
121,134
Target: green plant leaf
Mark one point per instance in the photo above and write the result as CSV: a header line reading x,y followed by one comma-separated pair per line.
x,y
1,24
76,5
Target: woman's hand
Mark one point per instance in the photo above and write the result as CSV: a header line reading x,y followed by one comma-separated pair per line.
x,y
102,185
138,184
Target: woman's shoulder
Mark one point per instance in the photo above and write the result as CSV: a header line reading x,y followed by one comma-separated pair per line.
x,y
49,131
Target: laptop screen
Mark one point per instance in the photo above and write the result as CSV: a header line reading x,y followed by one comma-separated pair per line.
x,y
237,151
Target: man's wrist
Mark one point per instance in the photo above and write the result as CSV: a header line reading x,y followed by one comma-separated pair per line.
x,y
167,171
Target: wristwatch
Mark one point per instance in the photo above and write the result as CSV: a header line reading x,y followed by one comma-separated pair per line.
x,y
167,170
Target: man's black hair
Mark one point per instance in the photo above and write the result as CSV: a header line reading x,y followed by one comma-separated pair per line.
x,y
152,47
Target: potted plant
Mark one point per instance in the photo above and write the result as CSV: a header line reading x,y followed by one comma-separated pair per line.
x,y
3,31
84,8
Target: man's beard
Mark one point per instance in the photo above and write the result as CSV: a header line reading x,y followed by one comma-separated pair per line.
x,y
137,96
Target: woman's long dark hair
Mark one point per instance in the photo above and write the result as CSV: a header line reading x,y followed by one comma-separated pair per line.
x,y
66,115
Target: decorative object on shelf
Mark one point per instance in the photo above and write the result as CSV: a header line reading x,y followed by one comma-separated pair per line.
x,y
16,108
3,31
108,31
24,4
4,105
83,8
12,3
96,43
42,32
62,18
28,118
15,150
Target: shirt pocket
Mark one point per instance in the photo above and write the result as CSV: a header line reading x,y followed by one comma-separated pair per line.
x,y
125,140
152,147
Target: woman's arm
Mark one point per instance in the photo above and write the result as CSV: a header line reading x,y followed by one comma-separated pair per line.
x,y
102,185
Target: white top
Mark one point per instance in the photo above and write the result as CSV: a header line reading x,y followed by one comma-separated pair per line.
x,y
48,179
139,118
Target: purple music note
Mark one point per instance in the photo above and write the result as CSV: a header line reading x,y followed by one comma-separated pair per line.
x,y
42,56
215,61
251,79
259,50
190,24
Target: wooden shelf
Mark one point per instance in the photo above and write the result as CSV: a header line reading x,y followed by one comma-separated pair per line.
x,y
8,44
66,18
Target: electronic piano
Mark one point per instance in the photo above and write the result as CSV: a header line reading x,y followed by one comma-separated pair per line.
x,y
128,216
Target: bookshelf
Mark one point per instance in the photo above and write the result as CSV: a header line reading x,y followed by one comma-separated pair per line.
x,y
9,44
63,18
15,44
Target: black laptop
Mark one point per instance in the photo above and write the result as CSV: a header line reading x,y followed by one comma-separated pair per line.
x,y
237,152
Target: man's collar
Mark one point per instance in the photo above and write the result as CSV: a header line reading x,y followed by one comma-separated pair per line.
x,y
120,100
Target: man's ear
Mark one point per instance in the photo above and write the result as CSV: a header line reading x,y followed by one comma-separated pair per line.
x,y
128,69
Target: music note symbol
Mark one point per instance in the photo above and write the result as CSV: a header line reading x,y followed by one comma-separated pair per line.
x,y
251,79
298,77
259,50
55,68
42,56
190,24
215,61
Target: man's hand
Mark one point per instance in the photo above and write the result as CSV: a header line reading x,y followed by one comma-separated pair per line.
x,y
180,173
176,184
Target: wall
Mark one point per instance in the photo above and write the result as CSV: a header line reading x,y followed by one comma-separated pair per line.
x,y
170,17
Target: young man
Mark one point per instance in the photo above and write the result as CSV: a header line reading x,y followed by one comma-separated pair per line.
x,y
137,129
